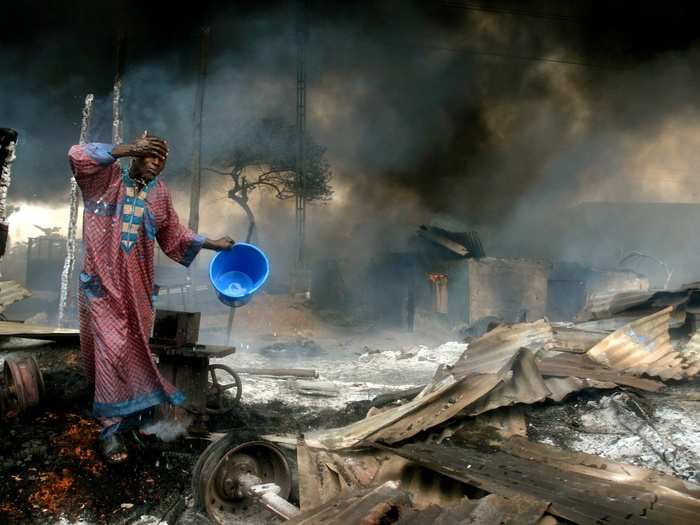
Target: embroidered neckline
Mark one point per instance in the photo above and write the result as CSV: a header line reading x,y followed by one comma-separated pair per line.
x,y
133,207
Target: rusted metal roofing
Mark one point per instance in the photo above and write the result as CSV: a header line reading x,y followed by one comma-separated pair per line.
x,y
644,347
581,488
489,353
11,292
575,340
370,506
607,304
393,502
518,381
523,384
497,370
582,367
560,387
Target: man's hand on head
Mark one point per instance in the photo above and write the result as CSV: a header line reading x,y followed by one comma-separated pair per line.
x,y
224,243
144,146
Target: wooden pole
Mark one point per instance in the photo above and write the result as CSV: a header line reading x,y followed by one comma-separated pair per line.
x,y
197,117
117,117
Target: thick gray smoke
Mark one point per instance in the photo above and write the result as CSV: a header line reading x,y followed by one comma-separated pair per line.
x,y
471,119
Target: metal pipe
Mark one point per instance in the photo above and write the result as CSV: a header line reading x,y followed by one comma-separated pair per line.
x,y
267,494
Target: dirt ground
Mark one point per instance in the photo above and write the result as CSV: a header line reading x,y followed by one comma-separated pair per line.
x,y
51,473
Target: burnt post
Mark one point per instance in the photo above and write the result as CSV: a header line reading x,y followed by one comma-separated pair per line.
x,y
197,116
117,125
8,140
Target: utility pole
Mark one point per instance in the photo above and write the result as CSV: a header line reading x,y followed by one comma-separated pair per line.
x,y
300,212
117,125
301,131
197,117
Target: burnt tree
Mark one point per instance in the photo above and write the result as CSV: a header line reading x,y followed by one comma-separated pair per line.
x,y
264,155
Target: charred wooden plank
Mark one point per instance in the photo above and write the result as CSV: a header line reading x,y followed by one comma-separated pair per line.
x,y
583,494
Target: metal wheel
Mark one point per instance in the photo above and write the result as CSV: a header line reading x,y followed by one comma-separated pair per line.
x,y
217,400
23,382
215,486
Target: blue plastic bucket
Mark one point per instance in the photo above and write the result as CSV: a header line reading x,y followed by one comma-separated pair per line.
x,y
238,273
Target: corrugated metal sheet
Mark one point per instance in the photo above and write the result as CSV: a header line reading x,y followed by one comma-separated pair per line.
x,y
607,304
491,352
12,292
579,366
524,384
369,507
399,503
644,347
579,488
560,387
575,340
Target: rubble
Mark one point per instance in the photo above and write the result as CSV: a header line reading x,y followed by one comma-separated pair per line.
x,y
11,292
468,425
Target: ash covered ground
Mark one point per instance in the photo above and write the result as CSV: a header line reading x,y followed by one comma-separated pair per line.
x,y
50,472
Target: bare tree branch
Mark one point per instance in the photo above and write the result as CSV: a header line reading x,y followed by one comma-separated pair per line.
x,y
270,148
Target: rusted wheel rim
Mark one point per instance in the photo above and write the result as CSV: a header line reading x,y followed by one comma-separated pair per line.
x,y
218,479
216,390
24,382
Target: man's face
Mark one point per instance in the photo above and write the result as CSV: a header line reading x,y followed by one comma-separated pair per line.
x,y
148,167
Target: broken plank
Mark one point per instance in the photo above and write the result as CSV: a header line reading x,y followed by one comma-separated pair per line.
x,y
580,493
443,241
279,372
35,331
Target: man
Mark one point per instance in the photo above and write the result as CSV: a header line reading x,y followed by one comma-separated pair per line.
x,y
125,214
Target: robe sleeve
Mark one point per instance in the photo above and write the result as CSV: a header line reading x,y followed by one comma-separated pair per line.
x,y
93,168
176,240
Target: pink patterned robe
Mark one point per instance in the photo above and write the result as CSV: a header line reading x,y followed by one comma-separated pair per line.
x,y
120,227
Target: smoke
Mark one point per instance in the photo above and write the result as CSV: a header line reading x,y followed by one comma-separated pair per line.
x,y
503,123
169,427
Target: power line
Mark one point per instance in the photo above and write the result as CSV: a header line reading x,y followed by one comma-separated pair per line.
x,y
475,51
501,54
512,12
